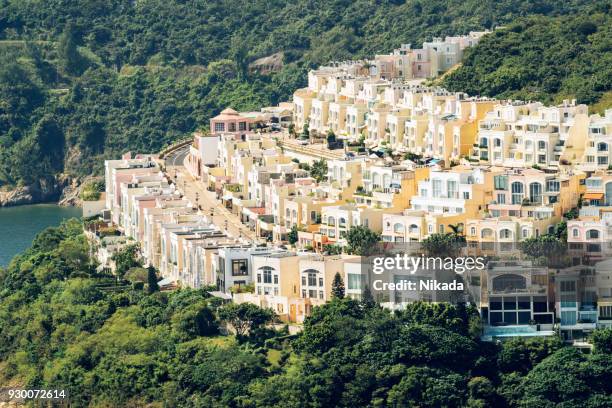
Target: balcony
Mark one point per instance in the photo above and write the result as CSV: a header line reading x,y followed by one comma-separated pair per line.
x,y
505,332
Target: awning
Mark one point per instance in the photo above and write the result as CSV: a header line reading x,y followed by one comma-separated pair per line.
x,y
227,197
219,294
166,281
593,196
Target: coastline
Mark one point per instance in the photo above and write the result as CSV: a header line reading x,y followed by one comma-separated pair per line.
x,y
61,191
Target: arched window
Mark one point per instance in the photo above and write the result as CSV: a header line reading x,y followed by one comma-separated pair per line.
x,y
486,233
525,233
505,234
309,276
575,232
509,282
288,213
413,229
497,142
342,222
264,274
535,192
398,228
331,221
518,192
593,234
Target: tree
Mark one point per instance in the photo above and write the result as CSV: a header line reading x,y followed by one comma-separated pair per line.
x,y
193,321
292,236
362,240
305,132
72,62
126,258
367,300
547,246
337,290
443,244
152,280
245,317
318,170
602,340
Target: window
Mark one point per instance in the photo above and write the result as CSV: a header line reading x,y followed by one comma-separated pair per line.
x,y
505,234
267,274
437,187
497,142
241,126
501,199
486,233
592,234
567,286
509,282
541,145
575,232
240,267
219,127
451,186
501,182
552,185
311,277
602,147
517,192
602,160
535,193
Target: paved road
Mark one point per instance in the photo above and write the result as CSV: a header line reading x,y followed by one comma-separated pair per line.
x,y
189,187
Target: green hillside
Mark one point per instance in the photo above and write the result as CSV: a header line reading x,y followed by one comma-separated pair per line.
x,y
542,58
88,80
64,326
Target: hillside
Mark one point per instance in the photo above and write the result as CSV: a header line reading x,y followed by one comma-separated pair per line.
x,y
63,326
83,81
546,59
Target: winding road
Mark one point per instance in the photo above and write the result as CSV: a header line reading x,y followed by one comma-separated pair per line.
x,y
192,188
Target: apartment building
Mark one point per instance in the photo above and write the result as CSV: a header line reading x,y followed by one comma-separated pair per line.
x,y
518,134
516,300
595,155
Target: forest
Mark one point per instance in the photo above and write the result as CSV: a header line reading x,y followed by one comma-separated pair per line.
x,y
64,325
85,81
543,59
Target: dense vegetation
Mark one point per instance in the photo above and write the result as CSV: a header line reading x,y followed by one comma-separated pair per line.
x,y
86,80
64,326
544,59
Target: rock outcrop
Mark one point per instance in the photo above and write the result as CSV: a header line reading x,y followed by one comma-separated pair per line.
x,y
45,190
